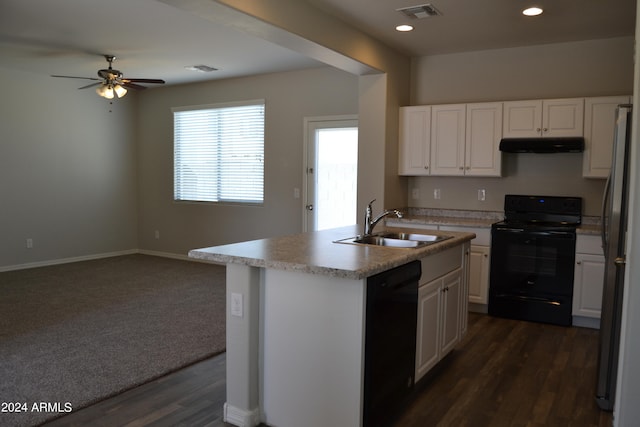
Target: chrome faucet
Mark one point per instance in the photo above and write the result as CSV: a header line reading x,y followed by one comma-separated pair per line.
x,y
370,223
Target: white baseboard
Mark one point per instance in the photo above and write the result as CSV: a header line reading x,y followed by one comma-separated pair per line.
x,y
66,260
240,417
100,256
586,322
164,254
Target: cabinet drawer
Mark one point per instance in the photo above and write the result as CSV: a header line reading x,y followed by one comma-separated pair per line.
x,y
589,244
434,266
483,235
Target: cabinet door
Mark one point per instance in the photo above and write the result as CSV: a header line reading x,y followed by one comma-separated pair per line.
x,y
479,274
451,304
429,325
587,287
415,136
484,131
599,127
563,117
447,139
522,119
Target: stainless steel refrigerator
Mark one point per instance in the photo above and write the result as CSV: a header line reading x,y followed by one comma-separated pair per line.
x,y
614,230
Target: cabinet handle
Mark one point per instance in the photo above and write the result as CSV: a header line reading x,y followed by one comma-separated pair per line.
x,y
461,168
545,130
579,262
426,167
538,129
486,255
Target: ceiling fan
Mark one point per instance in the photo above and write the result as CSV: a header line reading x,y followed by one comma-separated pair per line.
x,y
112,82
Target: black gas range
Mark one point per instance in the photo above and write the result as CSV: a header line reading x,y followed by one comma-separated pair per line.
x,y
532,258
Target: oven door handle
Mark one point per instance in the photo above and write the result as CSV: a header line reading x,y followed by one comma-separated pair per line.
x,y
533,232
528,298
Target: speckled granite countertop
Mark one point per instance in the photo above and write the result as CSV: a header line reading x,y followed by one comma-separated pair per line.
x,y
480,219
316,252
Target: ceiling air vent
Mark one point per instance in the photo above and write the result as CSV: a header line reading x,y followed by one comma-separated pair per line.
x,y
421,11
200,68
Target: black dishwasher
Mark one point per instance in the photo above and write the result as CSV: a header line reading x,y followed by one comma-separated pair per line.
x,y
390,342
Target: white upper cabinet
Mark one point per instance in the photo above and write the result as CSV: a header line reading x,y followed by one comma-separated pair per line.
x,y
415,140
599,129
448,139
451,140
544,118
484,132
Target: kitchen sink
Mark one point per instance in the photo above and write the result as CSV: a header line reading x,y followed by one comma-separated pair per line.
x,y
397,240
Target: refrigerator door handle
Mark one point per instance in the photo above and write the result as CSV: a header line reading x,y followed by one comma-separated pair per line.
x,y
605,198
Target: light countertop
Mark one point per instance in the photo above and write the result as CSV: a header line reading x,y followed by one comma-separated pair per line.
x,y
475,219
316,252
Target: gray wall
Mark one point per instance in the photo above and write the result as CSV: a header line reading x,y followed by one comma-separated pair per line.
x,y
67,171
81,181
588,68
289,98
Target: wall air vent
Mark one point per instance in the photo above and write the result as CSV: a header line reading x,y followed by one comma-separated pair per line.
x,y
421,11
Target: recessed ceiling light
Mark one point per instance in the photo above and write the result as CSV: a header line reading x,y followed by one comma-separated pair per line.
x,y
404,28
532,11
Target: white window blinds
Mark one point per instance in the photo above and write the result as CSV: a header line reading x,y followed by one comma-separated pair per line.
x,y
219,153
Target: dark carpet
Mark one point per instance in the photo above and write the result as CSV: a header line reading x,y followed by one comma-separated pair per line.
x,y
73,334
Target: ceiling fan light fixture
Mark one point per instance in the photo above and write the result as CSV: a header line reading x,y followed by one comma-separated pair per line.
x,y
107,91
100,90
120,90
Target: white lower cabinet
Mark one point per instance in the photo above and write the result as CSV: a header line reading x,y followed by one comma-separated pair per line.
x,y
479,274
588,278
441,307
587,288
479,256
479,260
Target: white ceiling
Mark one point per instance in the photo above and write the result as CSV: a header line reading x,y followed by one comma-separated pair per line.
x,y
468,25
152,39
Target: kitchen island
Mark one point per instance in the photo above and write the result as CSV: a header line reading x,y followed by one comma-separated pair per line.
x,y
296,312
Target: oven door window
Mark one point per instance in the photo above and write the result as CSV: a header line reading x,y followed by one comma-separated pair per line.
x,y
527,263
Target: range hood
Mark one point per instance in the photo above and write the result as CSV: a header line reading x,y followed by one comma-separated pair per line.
x,y
542,145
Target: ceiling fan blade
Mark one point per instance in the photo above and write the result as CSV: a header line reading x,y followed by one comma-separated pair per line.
x,y
130,85
74,77
158,81
91,85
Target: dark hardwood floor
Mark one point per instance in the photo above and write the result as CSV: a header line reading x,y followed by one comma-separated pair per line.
x,y
504,373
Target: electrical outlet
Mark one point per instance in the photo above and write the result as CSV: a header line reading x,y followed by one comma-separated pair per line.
x,y
482,195
415,194
236,304
29,243
157,234
436,193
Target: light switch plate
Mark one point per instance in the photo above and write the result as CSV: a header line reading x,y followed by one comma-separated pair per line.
x,y
236,304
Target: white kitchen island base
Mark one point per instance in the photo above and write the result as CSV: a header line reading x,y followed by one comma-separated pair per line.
x,y
296,315
313,350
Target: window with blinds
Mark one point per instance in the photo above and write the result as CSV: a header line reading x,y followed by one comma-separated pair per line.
x,y
219,153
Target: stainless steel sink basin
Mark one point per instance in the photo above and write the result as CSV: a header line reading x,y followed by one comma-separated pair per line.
x,y
397,240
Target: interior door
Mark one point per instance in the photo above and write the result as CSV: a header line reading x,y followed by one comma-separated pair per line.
x,y
331,172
